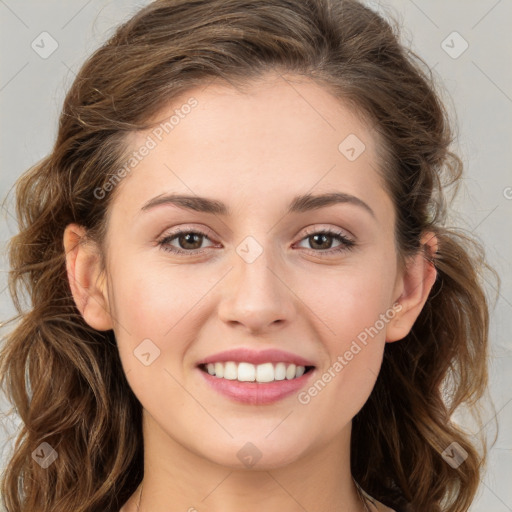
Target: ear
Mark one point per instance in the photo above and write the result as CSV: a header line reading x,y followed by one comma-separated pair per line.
x,y
87,282
414,287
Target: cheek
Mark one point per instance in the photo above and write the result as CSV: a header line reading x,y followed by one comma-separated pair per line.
x,y
352,309
154,302
156,311
347,300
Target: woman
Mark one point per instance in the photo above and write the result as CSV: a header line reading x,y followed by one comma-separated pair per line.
x,y
244,295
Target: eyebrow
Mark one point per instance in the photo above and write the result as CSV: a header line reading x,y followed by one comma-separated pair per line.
x,y
300,204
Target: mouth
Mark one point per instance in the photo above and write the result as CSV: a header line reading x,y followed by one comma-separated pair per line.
x,y
261,384
260,373
256,377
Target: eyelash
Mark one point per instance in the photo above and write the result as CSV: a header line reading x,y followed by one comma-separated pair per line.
x,y
346,243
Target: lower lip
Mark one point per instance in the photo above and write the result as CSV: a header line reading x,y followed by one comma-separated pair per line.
x,y
256,393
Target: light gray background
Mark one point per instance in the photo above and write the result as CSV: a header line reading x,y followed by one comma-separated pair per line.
x,y
478,88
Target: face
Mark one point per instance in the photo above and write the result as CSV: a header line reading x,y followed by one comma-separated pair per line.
x,y
260,267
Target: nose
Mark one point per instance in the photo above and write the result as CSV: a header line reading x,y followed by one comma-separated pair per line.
x,y
256,296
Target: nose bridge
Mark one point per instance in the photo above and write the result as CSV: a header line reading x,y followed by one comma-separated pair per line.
x,y
256,296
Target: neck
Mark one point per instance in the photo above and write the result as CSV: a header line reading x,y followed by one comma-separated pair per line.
x,y
317,480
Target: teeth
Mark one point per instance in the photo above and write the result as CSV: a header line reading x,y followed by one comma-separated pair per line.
x,y
291,371
247,372
219,369
264,372
230,371
280,371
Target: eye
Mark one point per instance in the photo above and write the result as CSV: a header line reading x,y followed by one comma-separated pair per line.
x,y
189,241
321,241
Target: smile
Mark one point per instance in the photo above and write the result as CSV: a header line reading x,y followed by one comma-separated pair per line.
x,y
248,372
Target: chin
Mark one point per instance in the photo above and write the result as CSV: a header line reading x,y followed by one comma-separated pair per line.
x,y
256,454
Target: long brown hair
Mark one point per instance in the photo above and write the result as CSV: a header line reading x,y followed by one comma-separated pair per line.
x,y
65,378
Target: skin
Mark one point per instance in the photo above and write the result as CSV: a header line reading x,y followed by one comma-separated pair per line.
x,y
254,151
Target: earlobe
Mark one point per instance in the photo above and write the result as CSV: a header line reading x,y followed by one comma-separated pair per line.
x,y
86,280
417,282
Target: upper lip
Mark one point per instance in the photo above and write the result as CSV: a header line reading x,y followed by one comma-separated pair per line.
x,y
247,355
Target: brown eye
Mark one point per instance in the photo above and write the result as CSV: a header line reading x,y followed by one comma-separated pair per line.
x,y
188,242
321,242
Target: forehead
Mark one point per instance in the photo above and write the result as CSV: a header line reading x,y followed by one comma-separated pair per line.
x,y
280,136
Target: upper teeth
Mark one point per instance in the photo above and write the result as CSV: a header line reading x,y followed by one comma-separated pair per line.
x,y
247,372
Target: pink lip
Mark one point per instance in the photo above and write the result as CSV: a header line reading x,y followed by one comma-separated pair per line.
x,y
239,355
256,393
